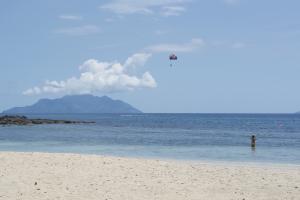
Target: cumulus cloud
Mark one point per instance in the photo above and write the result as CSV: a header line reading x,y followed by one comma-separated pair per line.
x,y
169,7
185,47
96,76
70,17
79,30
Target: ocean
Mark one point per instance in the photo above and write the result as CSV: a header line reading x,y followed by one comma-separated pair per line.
x,y
196,137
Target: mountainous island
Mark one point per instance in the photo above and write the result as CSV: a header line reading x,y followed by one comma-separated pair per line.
x,y
75,104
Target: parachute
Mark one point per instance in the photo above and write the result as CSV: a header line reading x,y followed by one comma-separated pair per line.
x,y
172,59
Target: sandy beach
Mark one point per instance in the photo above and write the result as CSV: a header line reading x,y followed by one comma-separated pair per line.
x,y
38,176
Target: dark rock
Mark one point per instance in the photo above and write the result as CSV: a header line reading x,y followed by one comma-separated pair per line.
x,y
22,120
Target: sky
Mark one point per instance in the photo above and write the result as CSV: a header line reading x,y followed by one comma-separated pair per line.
x,y
234,56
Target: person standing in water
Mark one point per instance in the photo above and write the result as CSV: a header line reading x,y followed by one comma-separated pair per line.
x,y
253,141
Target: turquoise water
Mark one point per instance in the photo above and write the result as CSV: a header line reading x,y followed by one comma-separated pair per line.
x,y
205,137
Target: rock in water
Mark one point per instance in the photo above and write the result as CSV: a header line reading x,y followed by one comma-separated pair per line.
x,y
22,120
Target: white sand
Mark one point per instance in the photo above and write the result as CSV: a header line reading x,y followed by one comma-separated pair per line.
x,y
87,177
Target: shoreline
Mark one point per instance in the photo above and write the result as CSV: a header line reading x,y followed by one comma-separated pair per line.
x,y
184,161
39,176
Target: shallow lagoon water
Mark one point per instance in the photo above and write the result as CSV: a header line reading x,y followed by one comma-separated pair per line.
x,y
205,137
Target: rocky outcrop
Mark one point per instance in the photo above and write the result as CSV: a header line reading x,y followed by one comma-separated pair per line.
x,y
22,120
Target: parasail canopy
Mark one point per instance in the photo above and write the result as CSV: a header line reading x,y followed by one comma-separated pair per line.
x,y
173,57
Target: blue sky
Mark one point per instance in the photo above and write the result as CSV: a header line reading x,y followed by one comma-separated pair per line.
x,y
233,55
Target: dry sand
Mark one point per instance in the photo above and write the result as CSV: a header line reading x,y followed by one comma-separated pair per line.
x,y
39,176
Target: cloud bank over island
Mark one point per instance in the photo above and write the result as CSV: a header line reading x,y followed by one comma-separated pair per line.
x,y
96,76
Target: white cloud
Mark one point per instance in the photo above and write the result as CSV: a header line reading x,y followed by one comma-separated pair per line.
x,y
173,10
186,47
138,59
70,17
79,30
168,7
34,90
101,77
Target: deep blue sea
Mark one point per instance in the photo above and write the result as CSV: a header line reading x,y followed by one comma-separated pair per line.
x,y
205,137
